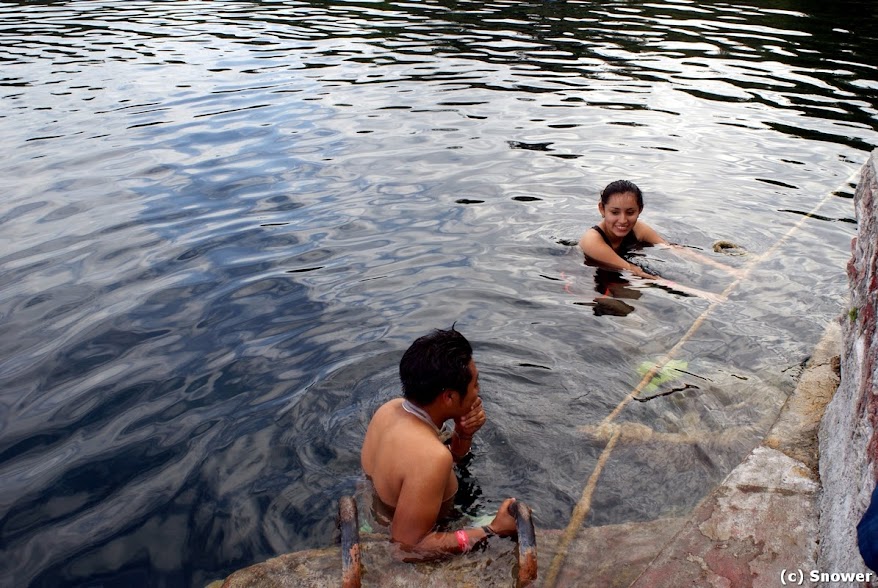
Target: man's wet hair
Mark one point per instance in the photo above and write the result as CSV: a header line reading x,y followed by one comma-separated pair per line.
x,y
621,187
433,363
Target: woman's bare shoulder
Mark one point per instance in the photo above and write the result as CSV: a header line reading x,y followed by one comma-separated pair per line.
x,y
590,237
646,234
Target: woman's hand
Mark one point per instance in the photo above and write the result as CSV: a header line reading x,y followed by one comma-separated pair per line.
x,y
639,272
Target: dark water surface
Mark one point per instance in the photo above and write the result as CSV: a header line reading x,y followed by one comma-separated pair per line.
x,y
223,222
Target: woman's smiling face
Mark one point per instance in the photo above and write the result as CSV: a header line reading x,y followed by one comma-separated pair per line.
x,y
620,213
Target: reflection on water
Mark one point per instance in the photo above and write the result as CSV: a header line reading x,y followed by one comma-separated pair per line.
x,y
222,223
612,290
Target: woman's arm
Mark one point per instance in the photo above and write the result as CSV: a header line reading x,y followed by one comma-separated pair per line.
x,y
684,251
646,234
597,250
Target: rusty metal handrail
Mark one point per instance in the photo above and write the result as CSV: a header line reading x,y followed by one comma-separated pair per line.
x,y
527,544
348,523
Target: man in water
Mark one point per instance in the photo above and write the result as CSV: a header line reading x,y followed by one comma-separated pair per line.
x,y
410,467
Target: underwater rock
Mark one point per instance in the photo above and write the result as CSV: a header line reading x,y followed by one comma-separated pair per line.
x,y
728,248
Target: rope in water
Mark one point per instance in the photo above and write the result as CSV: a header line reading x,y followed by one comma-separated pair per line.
x,y
583,507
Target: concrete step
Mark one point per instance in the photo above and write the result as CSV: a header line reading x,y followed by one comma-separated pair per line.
x,y
609,556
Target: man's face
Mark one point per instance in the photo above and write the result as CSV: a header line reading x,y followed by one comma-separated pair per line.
x,y
472,391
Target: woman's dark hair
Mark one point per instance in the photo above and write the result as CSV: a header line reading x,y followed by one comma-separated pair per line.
x,y
621,187
435,362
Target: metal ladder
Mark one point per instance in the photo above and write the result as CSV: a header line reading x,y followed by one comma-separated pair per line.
x,y
348,522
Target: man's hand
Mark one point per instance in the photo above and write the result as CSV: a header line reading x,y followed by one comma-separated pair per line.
x,y
504,523
467,425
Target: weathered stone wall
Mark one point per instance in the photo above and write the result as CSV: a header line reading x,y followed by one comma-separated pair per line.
x,y
849,429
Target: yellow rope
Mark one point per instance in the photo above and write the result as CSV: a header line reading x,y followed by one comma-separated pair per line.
x,y
584,505
580,512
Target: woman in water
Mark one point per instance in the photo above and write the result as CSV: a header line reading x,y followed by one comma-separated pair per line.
x,y
619,232
605,243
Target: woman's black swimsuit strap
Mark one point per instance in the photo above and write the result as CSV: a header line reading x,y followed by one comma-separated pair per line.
x,y
629,241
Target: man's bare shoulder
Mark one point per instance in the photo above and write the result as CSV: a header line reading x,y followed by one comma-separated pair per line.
x,y
397,445
406,434
427,463
388,408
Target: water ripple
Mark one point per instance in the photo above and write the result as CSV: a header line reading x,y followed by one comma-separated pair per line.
x,y
223,222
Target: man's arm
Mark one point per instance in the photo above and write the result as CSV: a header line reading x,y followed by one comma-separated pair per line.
x,y
418,507
437,544
420,496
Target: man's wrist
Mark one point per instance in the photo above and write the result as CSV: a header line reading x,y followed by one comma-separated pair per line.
x,y
466,543
458,456
462,436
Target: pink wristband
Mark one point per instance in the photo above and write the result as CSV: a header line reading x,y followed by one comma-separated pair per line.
x,y
462,540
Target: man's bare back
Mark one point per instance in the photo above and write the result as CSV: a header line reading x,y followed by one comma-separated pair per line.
x,y
395,444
